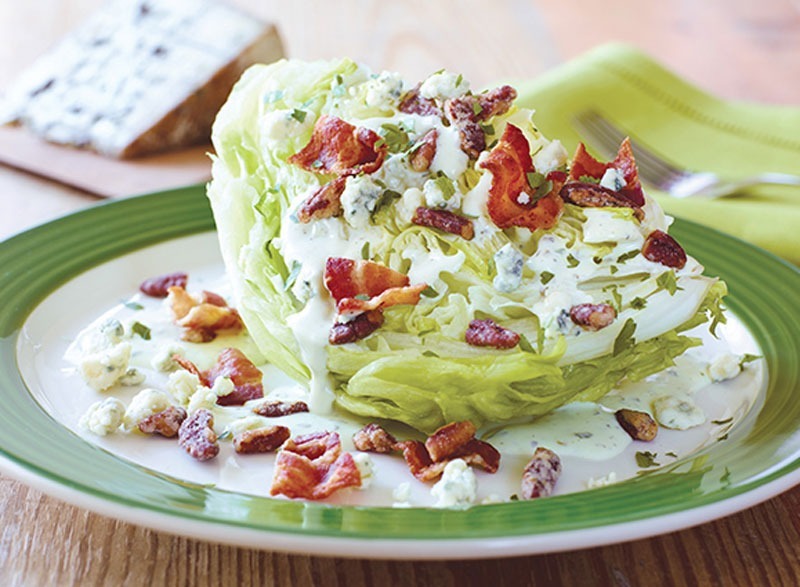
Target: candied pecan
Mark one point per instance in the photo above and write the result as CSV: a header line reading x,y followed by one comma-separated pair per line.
x,y
638,425
340,148
461,114
359,327
489,333
209,297
444,220
260,440
190,367
419,461
373,438
660,247
541,474
197,437
589,195
424,151
158,287
592,316
478,453
325,202
495,102
166,422
449,438
413,103
275,409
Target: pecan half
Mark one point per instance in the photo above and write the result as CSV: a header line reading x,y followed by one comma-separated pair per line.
x,y
413,103
638,425
260,440
166,423
424,151
419,461
466,112
660,247
489,333
197,437
478,453
589,195
541,474
444,220
448,439
275,409
359,327
325,202
592,316
373,438
158,287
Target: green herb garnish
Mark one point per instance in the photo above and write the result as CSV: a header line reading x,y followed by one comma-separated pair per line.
x,y
131,305
625,339
141,330
292,277
572,261
445,186
299,115
669,282
365,251
429,292
626,256
545,277
638,303
646,459
395,137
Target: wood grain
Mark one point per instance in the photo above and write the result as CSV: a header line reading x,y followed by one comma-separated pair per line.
x,y
736,48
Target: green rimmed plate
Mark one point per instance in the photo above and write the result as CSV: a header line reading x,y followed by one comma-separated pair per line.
x,y
756,462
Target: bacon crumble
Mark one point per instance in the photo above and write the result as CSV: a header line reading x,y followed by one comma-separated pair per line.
x,y
584,165
510,164
202,319
488,333
233,364
313,467
444,220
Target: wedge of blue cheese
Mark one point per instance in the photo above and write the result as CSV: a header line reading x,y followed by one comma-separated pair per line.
x,y
139,76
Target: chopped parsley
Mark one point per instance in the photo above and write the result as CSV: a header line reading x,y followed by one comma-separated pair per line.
x,y
395,137
646,459
362,297
616,297
669,282
487,129
572,261
131,305
141,330
588,179
429,292
625,339
429,354
748,358
638,303
545,277
365,251
386,198
476,108
629,255
338,90
299,115
540,185
445,186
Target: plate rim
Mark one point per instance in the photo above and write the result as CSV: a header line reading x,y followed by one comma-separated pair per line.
x,y
703,512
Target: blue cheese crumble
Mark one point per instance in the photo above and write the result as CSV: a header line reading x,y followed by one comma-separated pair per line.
x,y
508,261
457,487
103,417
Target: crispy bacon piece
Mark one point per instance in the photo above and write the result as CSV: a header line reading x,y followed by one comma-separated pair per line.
x,y
359,327
340,148
394,296
510,163
275,409
489,333
373,438
660,247
202,320
541,474
233,364
325,202
466,113
424,151
260,440
346,278
444,220
449,438
158,287
246,377
583,164
314,467
592,316
413,103
590,195
477,453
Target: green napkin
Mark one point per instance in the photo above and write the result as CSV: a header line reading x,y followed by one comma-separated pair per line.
x,y
689,127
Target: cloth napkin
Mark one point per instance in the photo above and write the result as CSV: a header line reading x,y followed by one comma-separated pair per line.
x,y
690,128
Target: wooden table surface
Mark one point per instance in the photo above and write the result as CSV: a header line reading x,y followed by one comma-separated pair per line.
x,y
739,49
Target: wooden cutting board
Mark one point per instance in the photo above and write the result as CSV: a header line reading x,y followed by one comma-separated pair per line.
x,y
103,176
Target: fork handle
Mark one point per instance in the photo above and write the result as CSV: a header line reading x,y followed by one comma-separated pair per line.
x,y
772,179
710,186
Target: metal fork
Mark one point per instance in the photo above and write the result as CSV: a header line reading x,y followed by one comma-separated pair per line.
x,y
656,171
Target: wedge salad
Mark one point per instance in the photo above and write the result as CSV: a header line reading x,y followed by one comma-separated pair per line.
x,y
421,253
